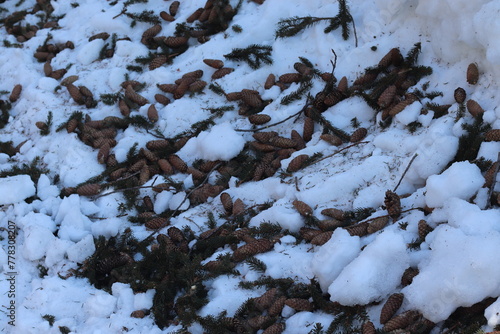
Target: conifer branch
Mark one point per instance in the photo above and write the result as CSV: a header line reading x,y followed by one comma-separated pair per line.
x,y
254,55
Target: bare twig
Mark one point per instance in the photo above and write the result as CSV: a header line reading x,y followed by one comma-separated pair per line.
x,y
270,125
406,170
337,152
490,190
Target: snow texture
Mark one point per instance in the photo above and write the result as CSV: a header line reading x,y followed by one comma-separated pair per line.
x,y
16,189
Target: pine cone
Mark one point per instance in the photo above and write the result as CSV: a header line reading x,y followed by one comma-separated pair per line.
x,y
167,88
399,107
166,16
322,238
148,35
42,125
358,135
262,147
303,69
71,125
47,69
177,163
304,209
490,175
162,99
251,249
137,166
115,175
175,42
196,174
156,223
157,62
309,233
342,86
90,189
259,321
227,202
133,96
332,98
152,113
238,207
331,139
197,86
377,224
270,81
107,264
474,108
492,135
278,327
360,229
393,57
334,213
215,63
266,300
297,163
327,76
308,129
390,307
472,74
290,78
401,321
408,276
423,229
176,234
299,304
276,308
259,119
264,137
387,96
368,328
460,95
144,175
330,224
392,204
160,144
174,7
251,98
365,79
282,142
103,154
222,72
75,94
234,96
195,16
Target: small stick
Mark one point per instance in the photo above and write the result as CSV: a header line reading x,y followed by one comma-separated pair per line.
x,y
406,170
270,125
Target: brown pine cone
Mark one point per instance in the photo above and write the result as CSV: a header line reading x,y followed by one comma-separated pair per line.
x,y
174,7
157,62
152,113
266,300
393,57
460,95
387,96
159,144
309,233
215,63
390,307
75,94
175,42
342,86
308,129
166,16
227,202
197,86
400,107
303,69
264,137
401,321
408,276
330,224
251,98
259,321
358,135
47,69
492,135
423,229
299,304
304,209
177,163
195,16
251,249
162,99
148,35
377,224
238,207
282,142
262,147
368,328
474,108
327,76
221,72
270,81
297,163
490,175
259,119
133,96
176,234
392,204
360,229
278,327
290,78
167,88
90,189
139,314
103,154
276,308
472,74
156,223
331,139
322,238
334,213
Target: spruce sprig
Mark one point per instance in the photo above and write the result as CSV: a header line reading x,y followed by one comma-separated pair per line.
x,y
254,55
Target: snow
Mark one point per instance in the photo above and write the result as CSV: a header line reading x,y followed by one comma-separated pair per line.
x,y
16,189
456,260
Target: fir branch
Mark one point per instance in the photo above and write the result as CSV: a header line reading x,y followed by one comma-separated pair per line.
x,y
134,68
217,89
110,99
293,25
412,56
256,264
46,130
147,16
304,87
254,55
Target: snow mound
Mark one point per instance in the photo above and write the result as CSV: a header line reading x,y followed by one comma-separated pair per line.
x,y
15,189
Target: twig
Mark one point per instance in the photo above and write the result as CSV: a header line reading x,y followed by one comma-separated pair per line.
x,y
124,10
270,125
354,28
406,170
336,152
334,62
403,211
130,188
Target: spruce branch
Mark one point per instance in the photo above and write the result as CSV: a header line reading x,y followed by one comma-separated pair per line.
x,y
254,55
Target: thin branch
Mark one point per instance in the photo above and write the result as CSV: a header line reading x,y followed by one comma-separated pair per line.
x,y
406,170
270,125
336,152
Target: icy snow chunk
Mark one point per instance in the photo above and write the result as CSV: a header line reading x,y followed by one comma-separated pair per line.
x,y
101,304
73,224
116,77
470,218
409,114
461,180
492,314
107,227
38,219
130,49
90,51
161,201
487,28
301,320
343,112
459,272
47,84
282,213
220,143
44,189
374,274
489,150
56,251
82,249
177,199
144,301
334,256
16,189
36,242
125,297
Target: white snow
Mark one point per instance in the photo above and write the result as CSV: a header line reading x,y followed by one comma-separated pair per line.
x,y
16,188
